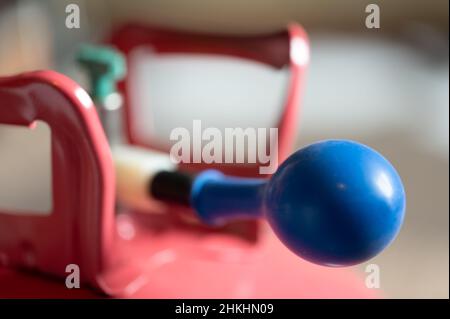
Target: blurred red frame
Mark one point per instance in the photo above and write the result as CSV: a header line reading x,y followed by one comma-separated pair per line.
x,y
286,48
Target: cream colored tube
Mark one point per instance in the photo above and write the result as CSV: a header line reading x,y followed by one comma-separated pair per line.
x,y
135,168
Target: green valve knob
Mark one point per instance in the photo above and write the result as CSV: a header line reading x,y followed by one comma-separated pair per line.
x,y
105,66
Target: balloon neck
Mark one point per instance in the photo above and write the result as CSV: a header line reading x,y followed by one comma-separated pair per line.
x,y
219,199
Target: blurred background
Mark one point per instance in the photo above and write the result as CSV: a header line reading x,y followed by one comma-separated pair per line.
x,y
386,87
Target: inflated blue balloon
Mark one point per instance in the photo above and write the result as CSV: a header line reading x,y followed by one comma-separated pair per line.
x,y
334,203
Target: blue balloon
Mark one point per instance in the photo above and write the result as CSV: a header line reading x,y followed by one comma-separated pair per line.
x,y
335,203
